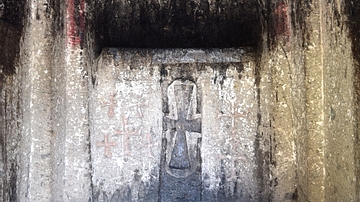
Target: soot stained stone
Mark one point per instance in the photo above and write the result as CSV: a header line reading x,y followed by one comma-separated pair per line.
x,y
11,23
175,23
12,11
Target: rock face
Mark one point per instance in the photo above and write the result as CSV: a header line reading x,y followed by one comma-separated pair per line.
x,y
177,24
174,125
159,100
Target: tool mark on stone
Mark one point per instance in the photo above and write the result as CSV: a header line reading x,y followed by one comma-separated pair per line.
x,y
107,145
126,133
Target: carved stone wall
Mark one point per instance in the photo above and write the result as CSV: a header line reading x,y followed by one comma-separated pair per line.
x,y
197,120
174,125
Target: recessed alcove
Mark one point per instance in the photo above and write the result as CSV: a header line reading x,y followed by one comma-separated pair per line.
x,y
91,92
169,56
177,23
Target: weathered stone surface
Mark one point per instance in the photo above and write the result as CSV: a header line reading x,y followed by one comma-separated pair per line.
x,y
9,49
60,132
353,10
36,109
339,108
177,24
182,121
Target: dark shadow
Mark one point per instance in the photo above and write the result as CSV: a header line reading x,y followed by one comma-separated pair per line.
x,y
353,13
11,24
177,24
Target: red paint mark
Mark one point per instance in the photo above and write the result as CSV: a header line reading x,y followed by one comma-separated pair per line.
x,y
281,21
139,108
149,144
233,115
107,145
126,133
75,21
111,104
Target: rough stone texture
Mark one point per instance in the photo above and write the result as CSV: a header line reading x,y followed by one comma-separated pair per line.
x,y
304,82
9,107
9,48
135,105
10,138
315,95
36,107
71,129
353,21
310,47
339,113
282,104
175,23
328,60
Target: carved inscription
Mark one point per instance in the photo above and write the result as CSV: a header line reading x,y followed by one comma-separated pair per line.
x,y
156,107
107,145
111,104
233,115
126,133
139,110
125,130
149,144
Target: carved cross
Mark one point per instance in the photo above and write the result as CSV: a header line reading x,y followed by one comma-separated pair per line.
x,y
112,103
138,108
126,133
233,115
182,124
149,144
107,145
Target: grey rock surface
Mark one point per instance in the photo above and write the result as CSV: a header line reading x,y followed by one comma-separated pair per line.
x,y
180,121
277,122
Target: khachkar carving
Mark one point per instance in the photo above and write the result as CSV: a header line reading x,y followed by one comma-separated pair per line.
x,y
180,158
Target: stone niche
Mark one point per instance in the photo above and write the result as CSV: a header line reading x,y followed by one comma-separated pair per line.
x,y
174,125
174,110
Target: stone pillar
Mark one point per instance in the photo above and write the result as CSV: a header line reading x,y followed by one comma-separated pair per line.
x,y
282,102
353,21
73,179
314,68
339,105
35,179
